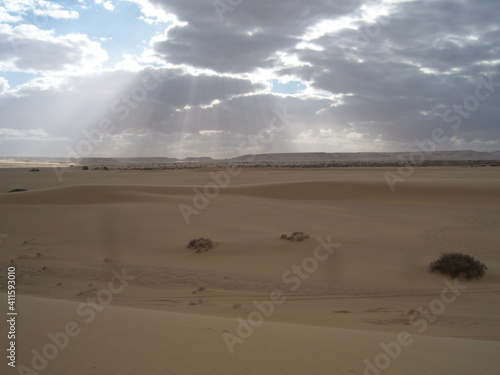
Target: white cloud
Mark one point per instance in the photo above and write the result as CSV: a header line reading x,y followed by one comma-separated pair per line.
x,y
108,5
26,48
9,134
129,63
6,17
39,9
211,132
153,13
4,85
54,11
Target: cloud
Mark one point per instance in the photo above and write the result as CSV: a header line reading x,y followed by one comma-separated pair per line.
x,y
6,17
36,11
55,11
108,5
423,61
25,135
250,37
26,48
150,101
4,85
373,75
152,13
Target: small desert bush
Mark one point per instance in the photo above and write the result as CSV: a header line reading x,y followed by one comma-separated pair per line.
x,y
295,236
200,244
16,190
457,264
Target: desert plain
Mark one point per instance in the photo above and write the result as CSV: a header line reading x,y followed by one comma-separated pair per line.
x,y
106,285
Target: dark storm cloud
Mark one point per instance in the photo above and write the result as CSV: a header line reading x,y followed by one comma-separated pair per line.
x,y
423,61
248,37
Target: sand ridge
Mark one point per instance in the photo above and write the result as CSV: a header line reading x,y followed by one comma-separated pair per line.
x,y
468,192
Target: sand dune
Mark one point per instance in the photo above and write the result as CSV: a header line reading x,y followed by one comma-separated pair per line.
x,y
377,191
161,342
92,194
468,192
68,241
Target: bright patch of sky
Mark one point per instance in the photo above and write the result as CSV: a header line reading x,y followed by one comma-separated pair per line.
x,y
18,78
118,26
289,88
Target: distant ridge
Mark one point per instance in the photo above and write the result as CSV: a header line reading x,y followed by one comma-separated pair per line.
x,y
367,156
296,157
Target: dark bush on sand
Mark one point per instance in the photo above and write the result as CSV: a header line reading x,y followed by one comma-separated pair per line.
x,y
200,244
295,236
458,265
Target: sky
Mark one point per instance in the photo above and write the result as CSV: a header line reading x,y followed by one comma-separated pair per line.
x,y
222,78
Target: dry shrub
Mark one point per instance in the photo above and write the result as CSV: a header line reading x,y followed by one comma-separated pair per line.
x,y
457,264
16,190
295,236
200,244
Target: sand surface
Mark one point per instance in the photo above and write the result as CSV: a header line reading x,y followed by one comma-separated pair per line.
x,y
102,255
